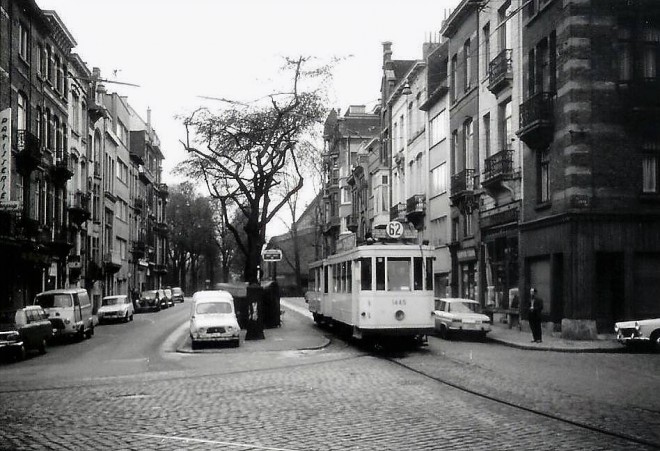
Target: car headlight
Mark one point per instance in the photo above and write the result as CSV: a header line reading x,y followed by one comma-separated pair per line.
x,y
616,328
636,326
201,330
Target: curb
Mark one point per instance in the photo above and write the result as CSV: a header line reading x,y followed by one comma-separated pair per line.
x,y
555,349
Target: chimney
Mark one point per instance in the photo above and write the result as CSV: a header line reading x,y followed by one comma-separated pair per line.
x,y
149,117
354,110
387,53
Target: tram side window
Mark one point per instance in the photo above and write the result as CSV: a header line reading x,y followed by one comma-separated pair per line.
x,y
343,277
349,277
398,274
365,273
311,280
325,280
429,273
335,276
418,274
380,273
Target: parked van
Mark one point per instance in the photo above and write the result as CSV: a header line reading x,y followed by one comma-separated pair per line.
x,y
69,311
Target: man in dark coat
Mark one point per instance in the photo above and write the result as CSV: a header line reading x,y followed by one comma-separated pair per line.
x,y
535,311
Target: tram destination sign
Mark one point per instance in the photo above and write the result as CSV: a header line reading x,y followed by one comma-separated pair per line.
x,y
406,233
271,255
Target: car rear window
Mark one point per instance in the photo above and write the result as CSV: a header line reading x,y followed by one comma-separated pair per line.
x,y
213,307
54,300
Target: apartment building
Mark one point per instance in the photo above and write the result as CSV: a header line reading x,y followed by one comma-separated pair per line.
x,y
590,228
66,164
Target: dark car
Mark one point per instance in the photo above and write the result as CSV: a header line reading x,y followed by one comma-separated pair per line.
x,y
177,294
149,300
23,330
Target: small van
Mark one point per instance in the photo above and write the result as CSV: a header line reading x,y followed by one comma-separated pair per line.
x,y
69,311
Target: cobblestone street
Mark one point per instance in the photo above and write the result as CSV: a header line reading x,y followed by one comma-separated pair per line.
x,y
339,397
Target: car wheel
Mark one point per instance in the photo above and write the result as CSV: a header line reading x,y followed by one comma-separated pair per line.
x,y
655,340
89,332
21,353
80,333
444,332
126,317
131,317
194,345
236,343
42,346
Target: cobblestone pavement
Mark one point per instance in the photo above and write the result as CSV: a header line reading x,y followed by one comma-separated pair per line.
x,y
356,402
336,398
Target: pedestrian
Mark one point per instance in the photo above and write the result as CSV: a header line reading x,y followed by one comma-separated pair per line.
x,y
535,310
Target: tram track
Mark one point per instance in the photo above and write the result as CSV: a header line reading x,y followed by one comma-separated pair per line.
x,y
520,407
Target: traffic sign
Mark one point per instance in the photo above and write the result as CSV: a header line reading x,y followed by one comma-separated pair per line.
x,y
271,255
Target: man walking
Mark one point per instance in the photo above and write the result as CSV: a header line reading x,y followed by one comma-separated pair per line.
x,y
535,309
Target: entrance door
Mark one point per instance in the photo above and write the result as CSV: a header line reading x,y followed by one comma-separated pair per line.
x,y
610,294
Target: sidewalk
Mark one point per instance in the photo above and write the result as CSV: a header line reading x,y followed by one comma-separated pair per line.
x,y
519,339
292,335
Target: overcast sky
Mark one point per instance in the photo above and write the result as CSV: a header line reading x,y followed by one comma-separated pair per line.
x,y
178,50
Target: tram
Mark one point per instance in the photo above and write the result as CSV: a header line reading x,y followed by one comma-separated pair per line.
x,y
375,291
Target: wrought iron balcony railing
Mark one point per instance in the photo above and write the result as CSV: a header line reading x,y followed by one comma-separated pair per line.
x,y
463,181
500,70
498,165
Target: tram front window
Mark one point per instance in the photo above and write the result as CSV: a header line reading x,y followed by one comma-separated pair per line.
x,y
398,274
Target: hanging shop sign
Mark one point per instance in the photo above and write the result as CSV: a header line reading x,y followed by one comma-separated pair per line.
x,y
5,155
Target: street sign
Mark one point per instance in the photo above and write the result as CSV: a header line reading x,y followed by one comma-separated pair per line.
x,y
10,205
271,255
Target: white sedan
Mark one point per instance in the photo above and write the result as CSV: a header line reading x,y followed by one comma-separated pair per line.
x,y
642,331
213,318
116,308
460,315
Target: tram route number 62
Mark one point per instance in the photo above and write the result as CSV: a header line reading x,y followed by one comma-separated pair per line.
x,y
394,229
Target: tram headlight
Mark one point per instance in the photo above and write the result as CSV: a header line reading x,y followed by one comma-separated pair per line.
x,y
399,315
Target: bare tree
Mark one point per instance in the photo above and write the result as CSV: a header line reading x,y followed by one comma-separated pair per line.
x,y
241,153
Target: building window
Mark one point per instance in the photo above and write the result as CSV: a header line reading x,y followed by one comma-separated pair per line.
x,y
544,176
439,179
467,69
468,144
467,225
486,47
454,229
486,141
23,42
439,231
454,150
454,78
505,26
22,112
437,127
506,125
650,174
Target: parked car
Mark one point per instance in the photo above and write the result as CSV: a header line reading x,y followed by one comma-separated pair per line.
x,y
69,311
456,315
213,318
163,299
177,294
116,308
23,330
149,300
641,331
168,296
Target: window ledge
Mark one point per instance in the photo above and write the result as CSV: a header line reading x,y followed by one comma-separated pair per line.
x,y
543,205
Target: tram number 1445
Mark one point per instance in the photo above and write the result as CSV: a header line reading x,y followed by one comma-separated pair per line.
x,y
398,302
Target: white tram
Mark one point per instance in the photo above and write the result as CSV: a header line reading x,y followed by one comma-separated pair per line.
x,y
377,290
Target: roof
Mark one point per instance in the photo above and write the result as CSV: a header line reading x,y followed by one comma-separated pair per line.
x,y
472,301
115,296
212,295
63,291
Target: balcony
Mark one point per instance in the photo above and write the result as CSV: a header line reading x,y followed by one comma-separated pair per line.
x,y
500,72
537,120
498,167
29,151
56,240
145,175
331,225
139,249
138,204
161,228
162,190
463,187
416,209
79,208
62,168
112,262
352,223
398,212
